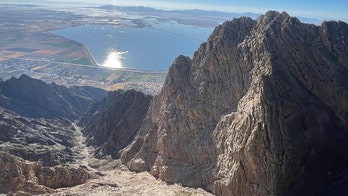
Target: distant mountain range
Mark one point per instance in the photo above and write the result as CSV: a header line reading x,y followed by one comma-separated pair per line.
x,y
194,12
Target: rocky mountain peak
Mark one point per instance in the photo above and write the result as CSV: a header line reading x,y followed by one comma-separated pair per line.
x,y
233,31
274,17
257,111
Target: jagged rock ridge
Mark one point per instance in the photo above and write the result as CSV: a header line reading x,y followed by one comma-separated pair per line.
x,y
261,109
112,123
35,99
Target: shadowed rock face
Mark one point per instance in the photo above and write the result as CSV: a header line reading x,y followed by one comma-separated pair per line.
x,y
112,123
35,99
261,109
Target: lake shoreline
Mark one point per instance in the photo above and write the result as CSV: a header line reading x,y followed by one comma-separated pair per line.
x,y
149,49
97,65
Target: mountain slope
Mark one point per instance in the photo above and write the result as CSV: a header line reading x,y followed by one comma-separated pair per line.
x,y
261,109
36,118
112,123
37,135
34,98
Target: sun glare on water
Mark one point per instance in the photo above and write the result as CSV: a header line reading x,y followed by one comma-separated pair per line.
x,y
114,59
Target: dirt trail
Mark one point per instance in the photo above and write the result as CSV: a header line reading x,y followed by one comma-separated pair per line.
x,y
115,179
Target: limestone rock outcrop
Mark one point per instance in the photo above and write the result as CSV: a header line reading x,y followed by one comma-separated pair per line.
x,y
112,123
17,174
261,109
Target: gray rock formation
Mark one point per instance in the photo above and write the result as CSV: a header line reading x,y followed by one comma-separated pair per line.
x,y
112,123
17,174
261,109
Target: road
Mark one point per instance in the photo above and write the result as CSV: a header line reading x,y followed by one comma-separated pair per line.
x,y
92,66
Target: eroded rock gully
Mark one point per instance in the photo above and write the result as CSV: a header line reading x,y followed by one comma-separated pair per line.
x,y
261,109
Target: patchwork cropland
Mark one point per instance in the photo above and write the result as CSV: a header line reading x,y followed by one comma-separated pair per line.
x,y
27,45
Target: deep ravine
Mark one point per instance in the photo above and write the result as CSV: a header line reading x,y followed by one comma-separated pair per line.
x,y
113,178
81,149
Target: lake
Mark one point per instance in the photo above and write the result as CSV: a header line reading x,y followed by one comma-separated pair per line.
x,y
152,47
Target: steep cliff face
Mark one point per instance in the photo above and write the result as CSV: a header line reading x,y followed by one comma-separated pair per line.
x,y
288,131
189,106
261,109
112,123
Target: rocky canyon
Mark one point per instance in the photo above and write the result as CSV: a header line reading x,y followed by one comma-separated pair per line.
x,y
260,109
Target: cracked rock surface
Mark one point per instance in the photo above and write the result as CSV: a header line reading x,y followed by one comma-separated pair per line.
x,y
261,109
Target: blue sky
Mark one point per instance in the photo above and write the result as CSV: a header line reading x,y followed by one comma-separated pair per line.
x,y
316,9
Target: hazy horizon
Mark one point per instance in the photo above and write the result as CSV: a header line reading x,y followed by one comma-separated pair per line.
x,y
320,10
